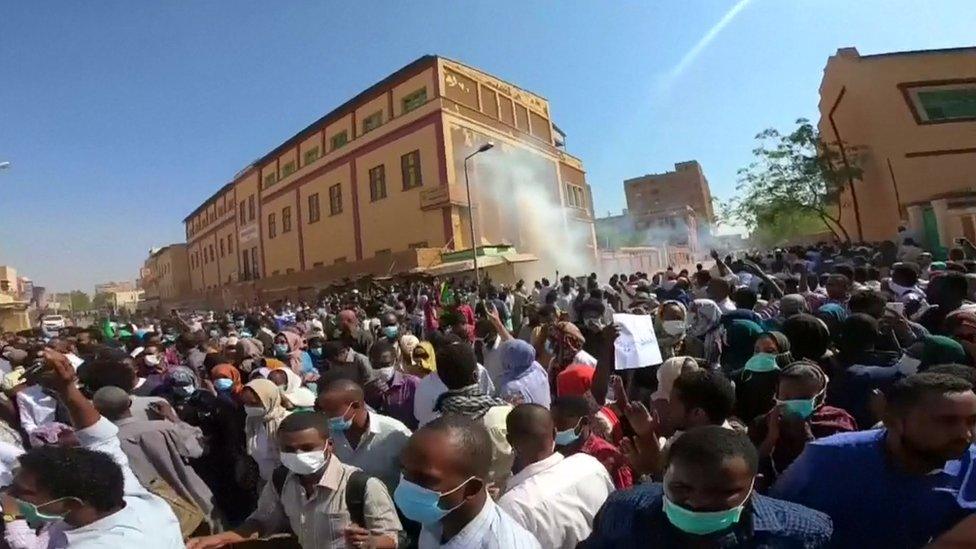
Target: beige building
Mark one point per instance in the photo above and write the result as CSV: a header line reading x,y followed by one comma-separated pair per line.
x,y
13,308
110,287
165,278
654,197
914,115
378,186
9,283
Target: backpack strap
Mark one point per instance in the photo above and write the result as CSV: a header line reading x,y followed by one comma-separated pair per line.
x,y
356,497
278,477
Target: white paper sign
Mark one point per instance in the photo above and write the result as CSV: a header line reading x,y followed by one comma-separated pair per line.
x,y
636,347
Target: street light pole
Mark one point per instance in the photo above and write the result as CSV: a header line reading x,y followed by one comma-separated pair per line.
x,y
467,187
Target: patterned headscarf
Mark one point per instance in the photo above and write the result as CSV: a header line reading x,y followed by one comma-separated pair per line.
x,y
182,375
568,341
295,344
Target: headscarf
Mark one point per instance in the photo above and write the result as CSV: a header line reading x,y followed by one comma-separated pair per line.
x,y
231,373
808,335
270,397
517,356
249,352
273,364
666,341
467,401
294,342
523,379
568,342
740,339
182,375
792,304
941,350
782,342
706,318
833,315
428,364
408,343
668,372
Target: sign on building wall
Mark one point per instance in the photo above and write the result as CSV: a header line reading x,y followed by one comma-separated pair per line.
x,y
247,234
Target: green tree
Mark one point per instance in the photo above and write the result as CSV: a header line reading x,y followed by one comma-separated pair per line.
x,y
794,176
100,301
80,301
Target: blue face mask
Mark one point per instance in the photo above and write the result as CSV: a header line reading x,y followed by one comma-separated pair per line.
x,y
316,352
340,424
549,348
801,407
281,349
421,504
762,362
702,523
390,332
223,384
569,436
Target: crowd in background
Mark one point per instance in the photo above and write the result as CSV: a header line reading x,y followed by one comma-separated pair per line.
x,y
808,397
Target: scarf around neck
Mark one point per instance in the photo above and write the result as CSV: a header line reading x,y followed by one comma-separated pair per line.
x,y
467,401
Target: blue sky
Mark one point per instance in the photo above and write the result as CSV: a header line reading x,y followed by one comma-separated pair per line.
x,y
120,117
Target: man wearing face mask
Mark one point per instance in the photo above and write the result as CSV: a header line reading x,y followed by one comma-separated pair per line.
x,y
399,389
707,499
360,437
389,327
443,487
311,494
899,486
552,496
574,435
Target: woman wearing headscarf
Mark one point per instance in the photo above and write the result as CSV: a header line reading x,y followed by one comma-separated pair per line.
x,y
523,379
288,349
250,353
703,340
961,325
424,360
670,326
755,383
566,342
406,345
740,341
667,373
264,413
222,422
226,380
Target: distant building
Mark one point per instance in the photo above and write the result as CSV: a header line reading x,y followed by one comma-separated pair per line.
x,y
125,301
13,308
914,114
9,283
655,196
110,287
165,278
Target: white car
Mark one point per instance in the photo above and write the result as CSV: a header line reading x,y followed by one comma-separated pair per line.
x,y
53,322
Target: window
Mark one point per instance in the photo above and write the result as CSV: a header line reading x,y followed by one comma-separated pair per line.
x,y
417,245
213,256
338,140
221,247
335,199
288,169
270,180
377,183
254,262
230,245
246,264
372,121
311,155
250,207
286,220
414,100
410,166
243,214
945,103
272,229
314,213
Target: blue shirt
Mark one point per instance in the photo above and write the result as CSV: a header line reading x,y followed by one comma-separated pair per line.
x,y
491,528
635,518
849,477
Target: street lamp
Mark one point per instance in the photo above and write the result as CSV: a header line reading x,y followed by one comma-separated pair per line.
x,y
467,187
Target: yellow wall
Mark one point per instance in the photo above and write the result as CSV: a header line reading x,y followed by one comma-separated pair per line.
x,y
281,252
332,237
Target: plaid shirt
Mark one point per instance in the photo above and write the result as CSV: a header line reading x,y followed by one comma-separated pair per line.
x,y
635,518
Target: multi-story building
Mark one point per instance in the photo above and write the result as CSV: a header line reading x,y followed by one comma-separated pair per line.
x,y
110,287
908,120
650,197
165,277
9,283
378,184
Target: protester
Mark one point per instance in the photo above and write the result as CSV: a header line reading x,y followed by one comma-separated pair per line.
x,y
262,406
571,416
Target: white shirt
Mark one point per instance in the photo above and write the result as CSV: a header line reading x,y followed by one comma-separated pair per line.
x,y
557,498
36,408
8,462
146,521
378,452
491,528
493,361
431,387
727,305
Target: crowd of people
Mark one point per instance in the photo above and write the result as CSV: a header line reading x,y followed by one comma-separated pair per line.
x,y
808,397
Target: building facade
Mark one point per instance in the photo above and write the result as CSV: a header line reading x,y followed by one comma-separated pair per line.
x,y
913,115
110,287
371,185
165,278
651,197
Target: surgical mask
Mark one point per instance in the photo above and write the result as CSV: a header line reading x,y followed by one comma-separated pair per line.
x,y
674,327
223,384
384,374
762,362
340,424
281,349
801,407
908,365
595,324
32,515
702,523
569,436
421,504
185,390
254,411
316,352
151,360
304,463
390,332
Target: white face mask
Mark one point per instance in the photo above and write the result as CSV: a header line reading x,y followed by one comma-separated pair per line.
x,y
674,327
908,365
254,411
667,285
384,374
151,360
304,463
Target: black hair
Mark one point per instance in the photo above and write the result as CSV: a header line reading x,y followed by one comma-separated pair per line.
x,y
301,421
907,270
103,373
571,406
213,359
745,298
709,390
331,349
457,365
345,385
845,270
471,439
804,371
74,472
379,347
966,373
867,301
858,332
908,392
708,447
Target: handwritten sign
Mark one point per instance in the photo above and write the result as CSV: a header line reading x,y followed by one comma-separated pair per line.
x,y
636,347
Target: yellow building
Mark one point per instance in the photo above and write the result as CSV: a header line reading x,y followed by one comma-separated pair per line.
x,y
165,278
914,114
378,186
